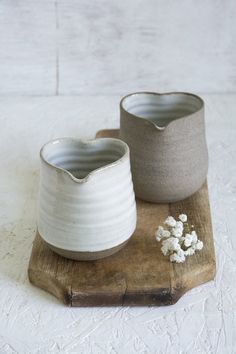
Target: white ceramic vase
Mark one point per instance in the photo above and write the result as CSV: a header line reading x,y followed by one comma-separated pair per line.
x,y
87,207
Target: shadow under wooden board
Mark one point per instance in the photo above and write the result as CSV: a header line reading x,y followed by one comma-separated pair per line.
x,y
138,274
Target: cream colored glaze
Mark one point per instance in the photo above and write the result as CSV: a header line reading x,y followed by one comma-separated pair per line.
x,y
86,200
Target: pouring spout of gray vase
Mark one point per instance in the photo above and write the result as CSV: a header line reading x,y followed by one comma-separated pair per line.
x,y
166,137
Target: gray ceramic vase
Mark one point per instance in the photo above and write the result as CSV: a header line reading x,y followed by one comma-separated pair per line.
x,y
166,136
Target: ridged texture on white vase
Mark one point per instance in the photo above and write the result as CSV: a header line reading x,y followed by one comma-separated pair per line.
x,y
86,200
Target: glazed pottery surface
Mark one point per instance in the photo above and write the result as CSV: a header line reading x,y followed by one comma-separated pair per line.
x,y
166,136
87,206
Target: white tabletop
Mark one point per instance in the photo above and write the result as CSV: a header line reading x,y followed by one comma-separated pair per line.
x,y
32,321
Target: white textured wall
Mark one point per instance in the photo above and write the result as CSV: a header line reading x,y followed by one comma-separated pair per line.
x,y
114,47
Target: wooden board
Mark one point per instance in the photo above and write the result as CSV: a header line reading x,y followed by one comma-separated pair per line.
x,y
138,274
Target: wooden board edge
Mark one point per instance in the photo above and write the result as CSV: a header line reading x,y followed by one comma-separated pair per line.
x,y
181,286
152,297
53,286
108,133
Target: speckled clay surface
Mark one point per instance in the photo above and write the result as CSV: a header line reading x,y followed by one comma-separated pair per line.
x,y
166,136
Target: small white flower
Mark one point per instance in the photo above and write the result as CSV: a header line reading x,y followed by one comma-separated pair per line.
x,y
159,233
176,243
183,217
170,221
178,257
166,234
175,246
181,255
174,258
199,245
169,245
165,250
188,240
179,225
194,236
166,247
189,252
177,232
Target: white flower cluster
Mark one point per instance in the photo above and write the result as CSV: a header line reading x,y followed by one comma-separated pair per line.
x,y
178,241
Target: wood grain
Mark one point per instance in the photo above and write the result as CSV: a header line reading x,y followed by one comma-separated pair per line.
x,y
138,274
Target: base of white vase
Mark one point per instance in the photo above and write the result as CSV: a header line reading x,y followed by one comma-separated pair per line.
x,y
86,256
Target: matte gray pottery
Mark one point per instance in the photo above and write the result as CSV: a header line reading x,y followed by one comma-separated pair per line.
x,y
166,136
